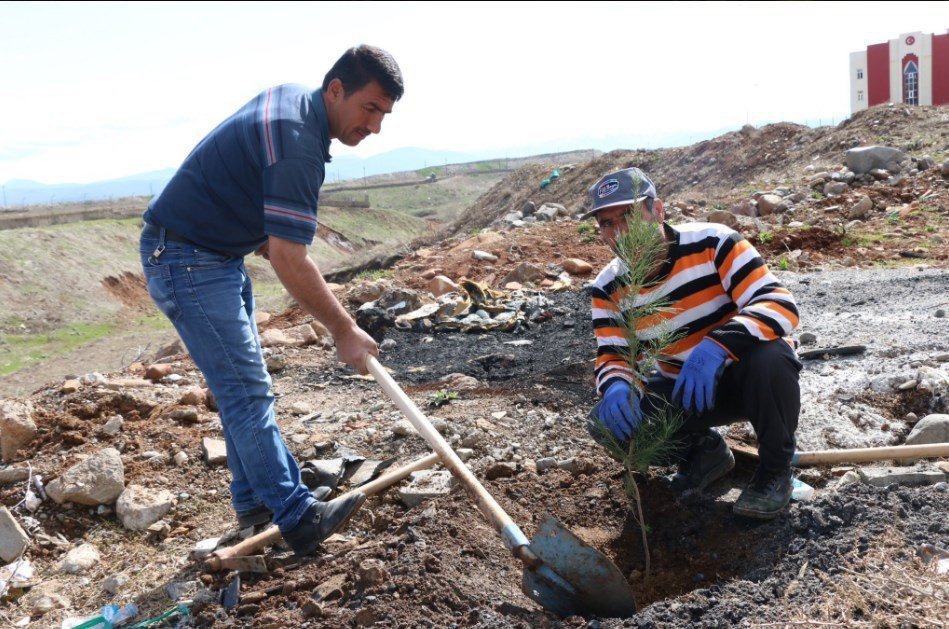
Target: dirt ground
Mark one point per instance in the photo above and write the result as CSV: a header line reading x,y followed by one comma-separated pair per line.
x,y
851,556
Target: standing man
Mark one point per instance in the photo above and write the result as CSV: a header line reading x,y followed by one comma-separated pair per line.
x,y
728,362
252,185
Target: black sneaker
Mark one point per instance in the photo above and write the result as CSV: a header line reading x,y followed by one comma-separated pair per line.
x,y
320,521
708,459
258,516
766,496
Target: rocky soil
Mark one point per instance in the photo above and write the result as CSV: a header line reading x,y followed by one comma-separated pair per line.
x,y
133,493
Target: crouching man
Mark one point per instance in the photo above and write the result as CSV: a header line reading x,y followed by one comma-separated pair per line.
x,y
728,360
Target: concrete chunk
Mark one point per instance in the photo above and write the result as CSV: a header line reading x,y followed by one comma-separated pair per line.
x,y
13,539
98,480
426,484
906,476
139,507
214,451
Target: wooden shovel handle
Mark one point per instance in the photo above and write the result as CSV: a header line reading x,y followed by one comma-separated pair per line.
x,y
864,455
486,503
271,535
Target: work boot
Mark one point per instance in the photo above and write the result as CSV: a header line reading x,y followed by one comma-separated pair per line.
x,y
321,520
708,459
257,516
766,495
261,515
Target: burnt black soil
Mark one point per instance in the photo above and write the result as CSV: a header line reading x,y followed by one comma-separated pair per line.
x,y
560,353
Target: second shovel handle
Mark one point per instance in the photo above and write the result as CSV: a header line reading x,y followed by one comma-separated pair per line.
x,y
486,503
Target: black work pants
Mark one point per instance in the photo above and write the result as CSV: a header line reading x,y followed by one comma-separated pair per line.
x,y
762,388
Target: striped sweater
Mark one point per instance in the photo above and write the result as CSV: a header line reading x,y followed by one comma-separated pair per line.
x,y
715,285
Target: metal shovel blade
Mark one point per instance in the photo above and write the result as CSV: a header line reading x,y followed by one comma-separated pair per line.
x,y
586,582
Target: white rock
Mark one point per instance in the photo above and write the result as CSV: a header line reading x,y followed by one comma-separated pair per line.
x,y
80,559
214,450
114,584
426,484
930,429
100,479
484,256
181,458
139,507
114,425
205,547
403,428
13,539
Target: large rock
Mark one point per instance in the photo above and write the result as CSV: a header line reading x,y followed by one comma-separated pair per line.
x,y
426,484
139,507
723,218
861,209
13,540
459,382
906,476
80,559
297,336
576,266
930,429
16,427
366,292
771,204
440,285
834,188
98,480
399,300
866,158
214,451
524,273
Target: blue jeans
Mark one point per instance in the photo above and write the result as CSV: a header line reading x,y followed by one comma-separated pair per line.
x,y
208,298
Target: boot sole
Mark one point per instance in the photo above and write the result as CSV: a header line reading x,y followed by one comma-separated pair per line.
x,y
760,515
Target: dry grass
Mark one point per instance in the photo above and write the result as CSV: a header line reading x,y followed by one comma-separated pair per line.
x,y
882,587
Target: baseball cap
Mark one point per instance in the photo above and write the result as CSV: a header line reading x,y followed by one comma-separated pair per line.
x,y
623,187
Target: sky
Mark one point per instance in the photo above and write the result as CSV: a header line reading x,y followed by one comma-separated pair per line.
x,y
94,91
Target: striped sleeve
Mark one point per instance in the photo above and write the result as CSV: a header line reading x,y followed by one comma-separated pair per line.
x,y
612,347
291,196
766,309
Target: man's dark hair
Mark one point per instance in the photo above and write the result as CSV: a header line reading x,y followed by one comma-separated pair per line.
x,y
360,65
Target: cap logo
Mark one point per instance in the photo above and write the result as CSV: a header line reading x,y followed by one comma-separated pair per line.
x,y
607,188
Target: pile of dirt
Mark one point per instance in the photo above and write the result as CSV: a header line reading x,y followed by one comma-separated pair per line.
x,y
721,170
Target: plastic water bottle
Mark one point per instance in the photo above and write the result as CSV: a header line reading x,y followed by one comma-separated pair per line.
x,y
801,490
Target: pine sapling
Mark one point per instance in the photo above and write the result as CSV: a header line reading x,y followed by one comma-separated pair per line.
x,y
641,249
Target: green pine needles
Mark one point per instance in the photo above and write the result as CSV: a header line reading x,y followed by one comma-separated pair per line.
x,y
642,250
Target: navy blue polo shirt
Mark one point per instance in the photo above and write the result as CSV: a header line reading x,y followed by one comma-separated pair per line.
x,y
258,174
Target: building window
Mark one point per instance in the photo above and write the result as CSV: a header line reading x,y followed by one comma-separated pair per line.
x,y
859,94
859,74
911,84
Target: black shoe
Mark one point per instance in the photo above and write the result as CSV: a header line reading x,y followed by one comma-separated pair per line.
x,y
320,521
766,496
257,516
708,459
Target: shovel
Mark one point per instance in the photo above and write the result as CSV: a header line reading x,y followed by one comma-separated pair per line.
x,y
241,556
561,572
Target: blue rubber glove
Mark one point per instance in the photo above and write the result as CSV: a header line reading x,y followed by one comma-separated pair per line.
x,y
620,410
695,388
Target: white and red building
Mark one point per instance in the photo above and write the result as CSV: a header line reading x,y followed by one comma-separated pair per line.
x,y
913,69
